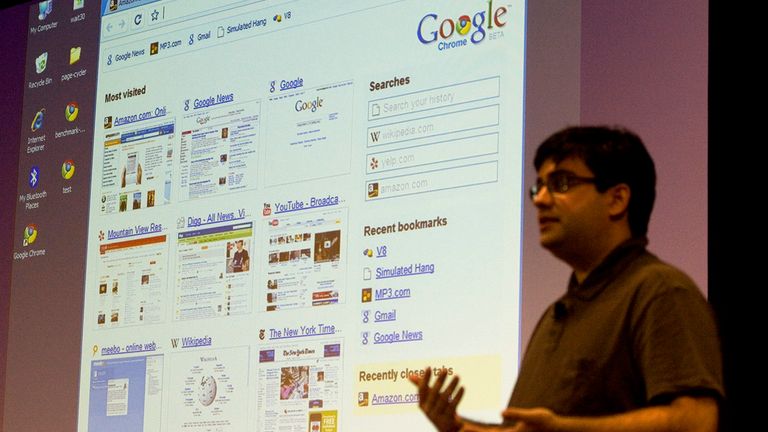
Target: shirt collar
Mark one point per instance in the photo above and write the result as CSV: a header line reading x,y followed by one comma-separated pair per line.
x,y
602,275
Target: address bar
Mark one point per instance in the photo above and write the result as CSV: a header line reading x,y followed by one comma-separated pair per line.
x,y
146,15
185,9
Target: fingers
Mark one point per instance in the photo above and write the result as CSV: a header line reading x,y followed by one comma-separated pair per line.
x,y
422,384
433,394
445,398
537,418
438,403
457,398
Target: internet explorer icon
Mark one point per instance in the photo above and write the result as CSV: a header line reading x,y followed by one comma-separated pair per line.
x,y
37,122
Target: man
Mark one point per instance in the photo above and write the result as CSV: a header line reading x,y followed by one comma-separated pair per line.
x,y
241,259
632,345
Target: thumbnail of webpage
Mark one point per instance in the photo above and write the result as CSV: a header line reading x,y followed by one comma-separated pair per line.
x,y
126,394
214,275
208,390
132,282
309,134
305,260
137,168
219,149
299,386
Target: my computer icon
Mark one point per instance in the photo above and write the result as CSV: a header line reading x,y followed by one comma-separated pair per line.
x,y
44,8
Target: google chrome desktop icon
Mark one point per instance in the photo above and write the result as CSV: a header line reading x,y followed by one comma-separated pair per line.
x,y
72,111
68,169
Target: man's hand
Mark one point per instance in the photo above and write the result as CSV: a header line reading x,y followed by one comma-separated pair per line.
x,y
683,414
531,419
440,404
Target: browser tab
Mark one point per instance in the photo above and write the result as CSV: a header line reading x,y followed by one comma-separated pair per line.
x,y
114,6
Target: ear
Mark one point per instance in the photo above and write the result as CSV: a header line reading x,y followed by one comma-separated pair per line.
x,y
618,200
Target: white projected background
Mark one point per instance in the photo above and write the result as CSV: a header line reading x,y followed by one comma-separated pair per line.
x,y
298,206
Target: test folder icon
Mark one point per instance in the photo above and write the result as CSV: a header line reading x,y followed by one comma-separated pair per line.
x,y
74,55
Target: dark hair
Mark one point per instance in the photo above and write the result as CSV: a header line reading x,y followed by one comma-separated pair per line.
x,y
615,155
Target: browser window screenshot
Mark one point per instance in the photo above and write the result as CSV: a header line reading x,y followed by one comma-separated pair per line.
x,y
279,203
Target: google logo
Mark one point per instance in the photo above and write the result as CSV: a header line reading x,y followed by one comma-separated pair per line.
x,y
309,105
461,26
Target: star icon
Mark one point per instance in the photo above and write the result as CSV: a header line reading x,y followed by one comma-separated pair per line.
x,y
155,15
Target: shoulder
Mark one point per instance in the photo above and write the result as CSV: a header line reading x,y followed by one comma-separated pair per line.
x,y
653,277
659,290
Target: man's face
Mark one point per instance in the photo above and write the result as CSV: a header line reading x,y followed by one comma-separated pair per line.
x,y
239,246
569,221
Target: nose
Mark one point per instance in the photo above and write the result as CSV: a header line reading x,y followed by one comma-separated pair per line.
x,y
541,198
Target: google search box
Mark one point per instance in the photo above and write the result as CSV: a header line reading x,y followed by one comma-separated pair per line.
x,y
438,97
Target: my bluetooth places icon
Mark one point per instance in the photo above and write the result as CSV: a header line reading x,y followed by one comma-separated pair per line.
x,y
34,177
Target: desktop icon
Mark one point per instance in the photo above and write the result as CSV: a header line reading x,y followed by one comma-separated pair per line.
x,y
68,169
74,55
71,111
41,62
30,234
37,122
44,8
78,4
34,177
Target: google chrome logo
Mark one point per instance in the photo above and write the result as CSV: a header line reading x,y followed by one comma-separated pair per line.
x,y
463,24
30,234
68,169
72,111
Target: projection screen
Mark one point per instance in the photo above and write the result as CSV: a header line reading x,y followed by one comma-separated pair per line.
x,y
277,211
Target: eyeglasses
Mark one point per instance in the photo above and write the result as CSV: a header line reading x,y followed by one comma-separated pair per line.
x,y
559,182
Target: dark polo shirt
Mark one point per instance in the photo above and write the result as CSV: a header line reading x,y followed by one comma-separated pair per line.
x,y
636,332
